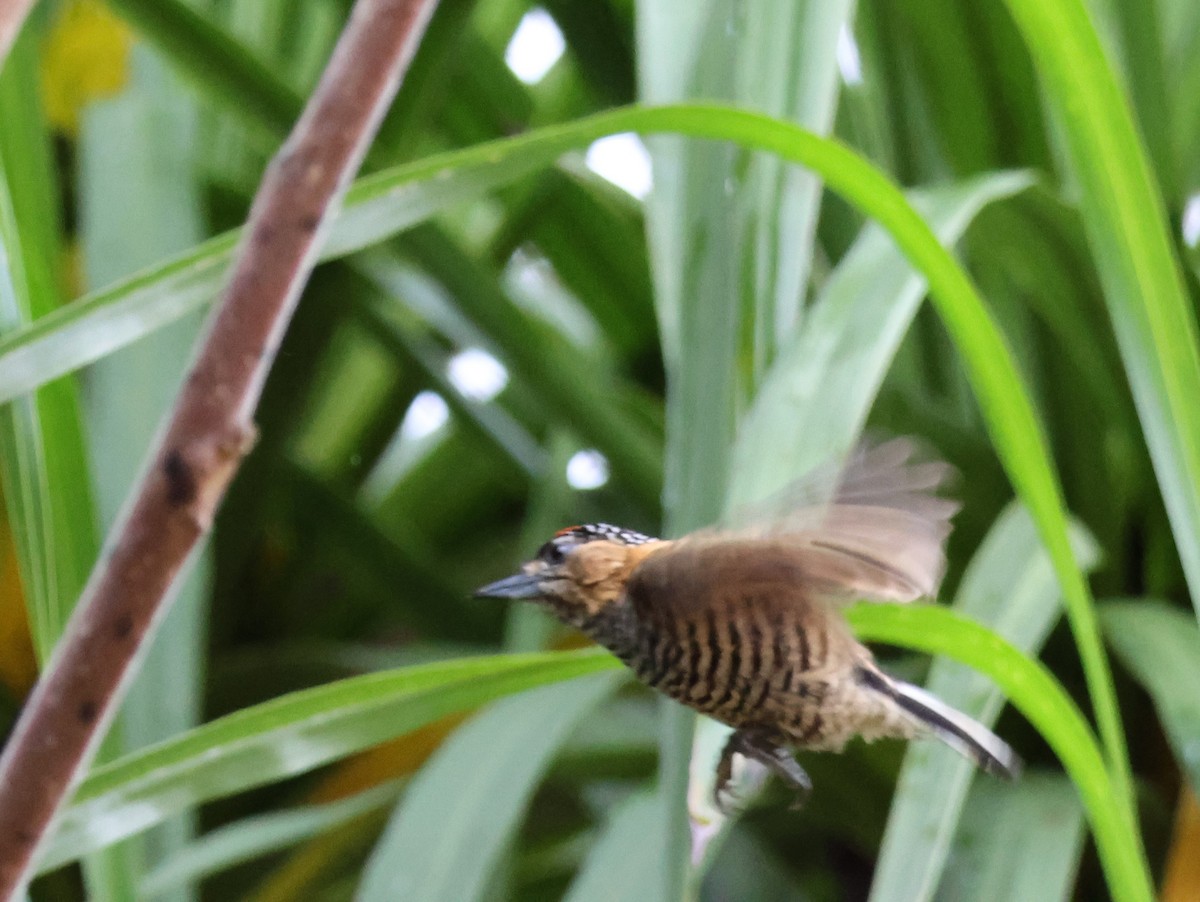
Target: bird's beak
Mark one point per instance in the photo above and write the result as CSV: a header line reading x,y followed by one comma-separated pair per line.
x,y
520,585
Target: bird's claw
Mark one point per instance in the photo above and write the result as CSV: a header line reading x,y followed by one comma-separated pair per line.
x,y
758,746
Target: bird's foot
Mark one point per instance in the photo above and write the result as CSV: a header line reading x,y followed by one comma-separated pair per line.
x,y
760,746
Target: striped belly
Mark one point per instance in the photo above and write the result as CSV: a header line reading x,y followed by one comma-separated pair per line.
x,y
749,669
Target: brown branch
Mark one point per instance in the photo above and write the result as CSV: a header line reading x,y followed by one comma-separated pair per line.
x,y
12,16
209,431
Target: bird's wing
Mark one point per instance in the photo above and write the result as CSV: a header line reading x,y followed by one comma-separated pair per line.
x,y
711,573
874,529
689,577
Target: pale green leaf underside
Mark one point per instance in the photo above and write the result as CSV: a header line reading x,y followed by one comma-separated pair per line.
x,y
464,807
1161,647
1017,843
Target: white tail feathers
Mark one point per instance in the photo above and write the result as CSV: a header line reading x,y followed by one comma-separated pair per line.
x,y
967,737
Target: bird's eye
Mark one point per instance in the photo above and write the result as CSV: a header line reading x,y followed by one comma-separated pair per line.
x,y
551,553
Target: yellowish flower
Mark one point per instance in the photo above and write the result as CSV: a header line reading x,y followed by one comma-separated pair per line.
x,y
86,56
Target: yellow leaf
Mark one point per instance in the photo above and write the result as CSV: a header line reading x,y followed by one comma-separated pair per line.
x,y
1182,883
18,667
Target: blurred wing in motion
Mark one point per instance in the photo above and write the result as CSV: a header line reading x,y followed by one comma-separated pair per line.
x,y
875,528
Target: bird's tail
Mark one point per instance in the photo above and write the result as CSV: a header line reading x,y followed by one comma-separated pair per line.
x,y
961,733
967,737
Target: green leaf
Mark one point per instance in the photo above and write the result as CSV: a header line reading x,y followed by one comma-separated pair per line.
x,y
1033,691
616,867
1134,39
464,807
1160,645
815,398
289,735
1018,842
253,837
1126,222
581,394
1180,22
746,868
218,63
47,487
1010,587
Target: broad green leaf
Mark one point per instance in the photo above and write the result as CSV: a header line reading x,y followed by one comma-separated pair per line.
x,y
1160,645
375,208
490,421
601,259
1041,699
579,391
1125,218
463,809
950,120
1018,842
1051,285
616,867
229,68
1010,587
254,837
1180,23
1133,37
814,400
286,736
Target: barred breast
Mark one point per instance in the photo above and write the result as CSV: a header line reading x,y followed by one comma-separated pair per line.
x,y
747,662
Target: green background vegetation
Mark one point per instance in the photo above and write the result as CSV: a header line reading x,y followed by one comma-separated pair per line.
x,y
325,714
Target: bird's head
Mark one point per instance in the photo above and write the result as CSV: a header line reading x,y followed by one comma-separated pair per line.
x,y
579,572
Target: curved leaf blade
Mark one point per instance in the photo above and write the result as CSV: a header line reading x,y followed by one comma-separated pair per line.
x,y
287,736
816,396
256,836
1033,691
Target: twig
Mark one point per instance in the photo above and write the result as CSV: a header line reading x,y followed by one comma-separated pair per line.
x,y
12,16
209,431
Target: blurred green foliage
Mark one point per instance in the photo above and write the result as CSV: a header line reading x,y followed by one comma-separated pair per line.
x,y
499,342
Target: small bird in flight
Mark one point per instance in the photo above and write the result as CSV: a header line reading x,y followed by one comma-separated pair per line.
x,y
744,624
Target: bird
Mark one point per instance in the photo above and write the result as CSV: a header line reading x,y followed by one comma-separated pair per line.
x,y
744,623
